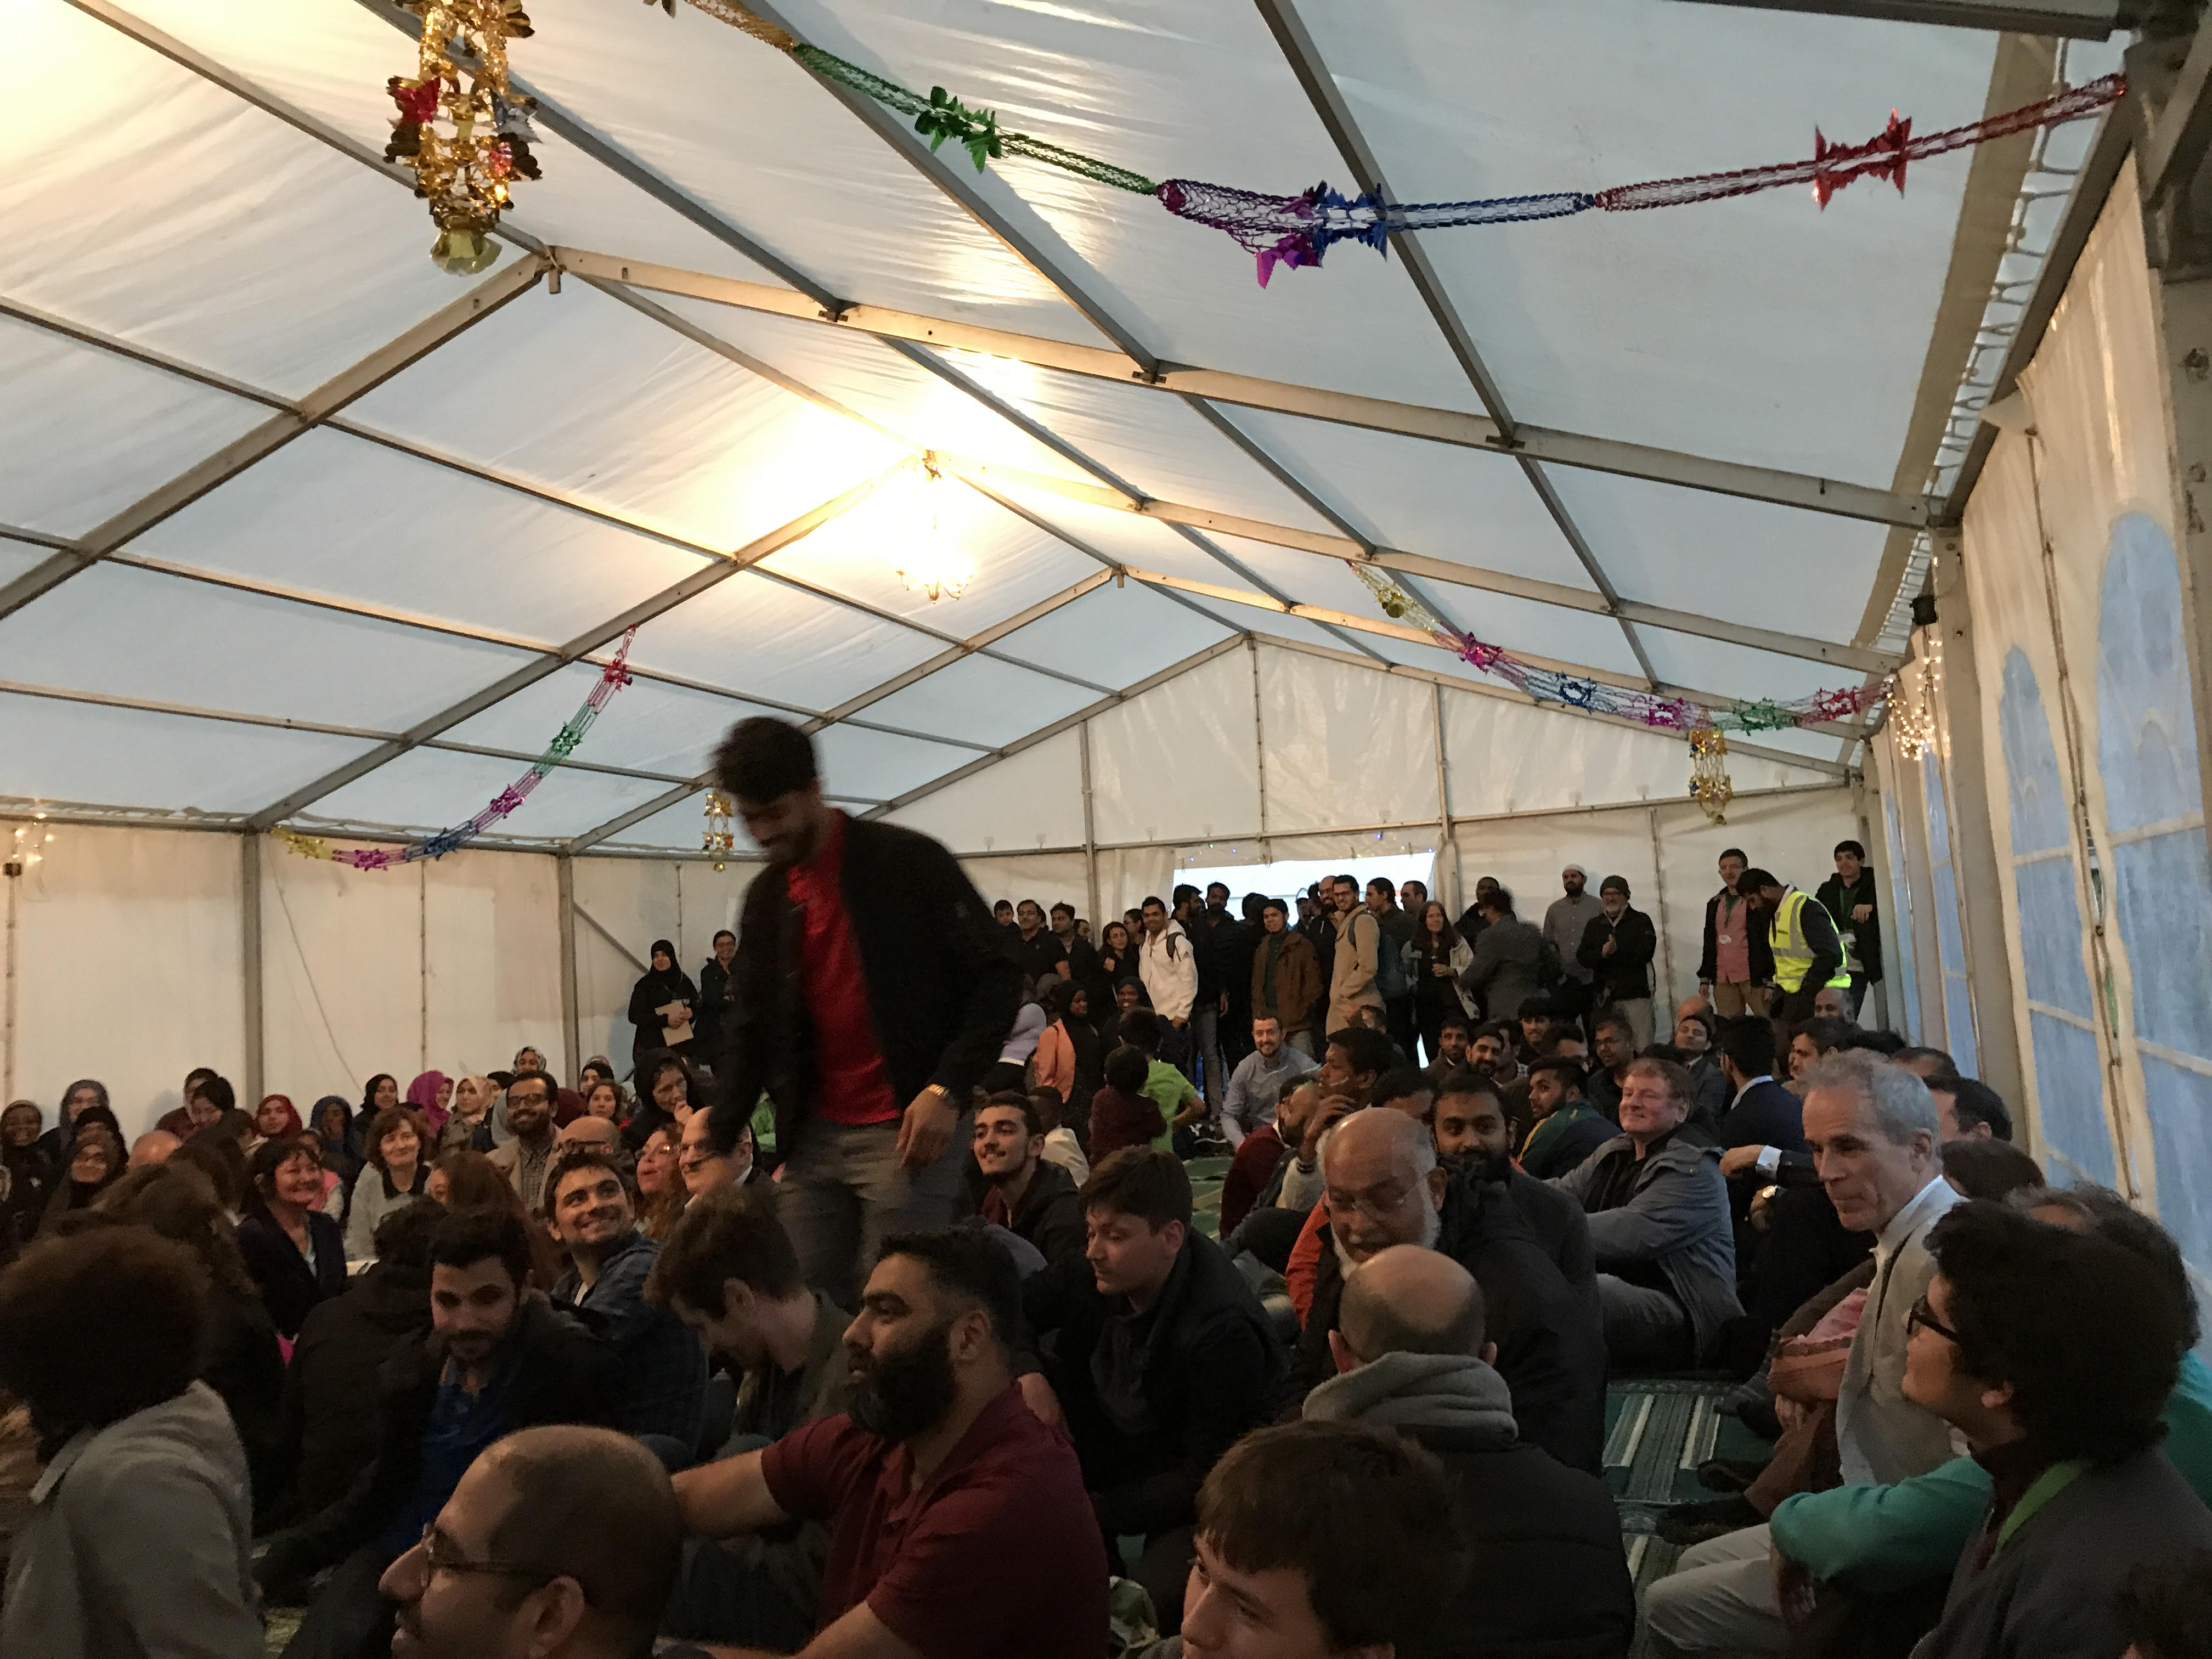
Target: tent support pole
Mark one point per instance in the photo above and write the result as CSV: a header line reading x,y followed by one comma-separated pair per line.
x,y
1089,834
1663,993
249,910
564,869
1259,744
1446,868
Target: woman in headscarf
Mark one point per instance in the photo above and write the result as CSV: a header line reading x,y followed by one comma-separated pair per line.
x,y
30,1174
1067,1053
86,1092
275,1119
469,1124
380,1093
295,1253
341,1137
429,1094
662,1006
95,1164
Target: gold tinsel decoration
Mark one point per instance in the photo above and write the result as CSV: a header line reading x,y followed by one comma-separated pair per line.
x,y
465,133
718,838
1709,784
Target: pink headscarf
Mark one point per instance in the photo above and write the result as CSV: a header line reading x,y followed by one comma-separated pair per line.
x,y
422,1095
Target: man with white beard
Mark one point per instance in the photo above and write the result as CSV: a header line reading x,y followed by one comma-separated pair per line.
x,y
1384,1187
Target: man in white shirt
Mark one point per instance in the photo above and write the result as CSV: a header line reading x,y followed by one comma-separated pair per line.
x,y
1259,1081
1168,969
1873,1129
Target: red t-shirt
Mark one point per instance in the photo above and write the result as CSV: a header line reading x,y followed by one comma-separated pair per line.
x,y
851,1083
997,1556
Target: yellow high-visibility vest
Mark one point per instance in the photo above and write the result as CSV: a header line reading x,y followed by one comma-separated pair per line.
x,y
1792,956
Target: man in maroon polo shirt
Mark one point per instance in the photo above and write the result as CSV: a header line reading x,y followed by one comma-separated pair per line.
x,y
958,1524
873,992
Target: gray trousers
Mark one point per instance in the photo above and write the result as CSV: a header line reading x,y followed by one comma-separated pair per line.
x,y
1643,1328
1719,1600
843,1191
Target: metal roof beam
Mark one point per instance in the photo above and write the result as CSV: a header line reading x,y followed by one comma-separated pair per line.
x,y
1446,426
304,416
530,673
2078,20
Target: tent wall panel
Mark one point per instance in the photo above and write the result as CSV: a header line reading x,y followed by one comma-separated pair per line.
x,y
1179,762
1048,878
128,967
491,958
1034,798
1341,744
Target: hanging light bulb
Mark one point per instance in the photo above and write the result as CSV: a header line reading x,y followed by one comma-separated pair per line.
x,y
935,567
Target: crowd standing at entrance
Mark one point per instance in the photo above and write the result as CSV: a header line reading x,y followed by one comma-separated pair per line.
x,y
871,1311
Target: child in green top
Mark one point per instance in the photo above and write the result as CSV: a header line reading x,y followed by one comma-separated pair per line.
x,y
1175,1096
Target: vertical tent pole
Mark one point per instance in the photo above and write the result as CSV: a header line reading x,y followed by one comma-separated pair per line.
x,y
571,1046
1666,948
249,911
1445,873
1089,834
1259,747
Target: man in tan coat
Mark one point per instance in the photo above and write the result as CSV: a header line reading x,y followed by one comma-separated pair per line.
x,y
1358,949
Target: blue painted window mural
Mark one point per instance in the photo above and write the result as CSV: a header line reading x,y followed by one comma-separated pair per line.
x,y
2154,813
1905,1010
1958,1037
2062,1020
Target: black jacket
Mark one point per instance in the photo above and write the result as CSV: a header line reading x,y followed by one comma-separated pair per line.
x,y
1048,1215
328,1432
1767,1115
1838,901
1549,1578
1550,1344
942,988
564,1373
653,991
717,991
242,1362
1760,952
1559,1225
1212,1372
289,1287
1627,973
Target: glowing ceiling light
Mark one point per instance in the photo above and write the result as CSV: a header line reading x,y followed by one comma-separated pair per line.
x,y
934,566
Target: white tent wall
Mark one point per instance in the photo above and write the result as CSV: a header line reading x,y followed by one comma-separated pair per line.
x,y
622,905
2077,605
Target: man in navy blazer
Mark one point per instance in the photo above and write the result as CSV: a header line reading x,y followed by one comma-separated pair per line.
x,y
1762,1113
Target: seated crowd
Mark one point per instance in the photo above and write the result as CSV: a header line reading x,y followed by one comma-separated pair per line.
x,y
499,1366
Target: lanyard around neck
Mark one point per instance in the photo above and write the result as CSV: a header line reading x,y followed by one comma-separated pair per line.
x,y
2048,1484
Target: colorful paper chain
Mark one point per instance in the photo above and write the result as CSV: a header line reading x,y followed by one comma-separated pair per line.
x,y
612,679
1646,708
1295,231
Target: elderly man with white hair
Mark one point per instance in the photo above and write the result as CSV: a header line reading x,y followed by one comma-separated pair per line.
x,y
1873,1128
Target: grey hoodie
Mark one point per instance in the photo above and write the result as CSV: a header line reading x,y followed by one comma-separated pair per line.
x,y
1419,1391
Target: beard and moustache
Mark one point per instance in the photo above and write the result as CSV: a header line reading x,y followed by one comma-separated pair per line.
x,y
899,1394
1476,1164
1432,1227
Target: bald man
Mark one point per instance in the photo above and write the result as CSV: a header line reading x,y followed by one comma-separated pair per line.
x,y
1382,1188
152,1147
1413,1352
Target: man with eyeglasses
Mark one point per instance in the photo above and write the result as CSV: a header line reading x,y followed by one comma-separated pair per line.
x,y
559,1542
496,1359
1873,1132
523,1160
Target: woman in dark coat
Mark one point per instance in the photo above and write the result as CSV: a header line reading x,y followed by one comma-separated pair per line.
x,y
30,1174
662,1006
95,1164
294,1252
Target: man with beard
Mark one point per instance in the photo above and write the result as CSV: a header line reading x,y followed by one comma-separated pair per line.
x,y
1451,1046
1474,1140
530,1114
1568,1128
1565,923
588,1209
956,1518
1011,1185
497,1359
1162,1359
1384,1187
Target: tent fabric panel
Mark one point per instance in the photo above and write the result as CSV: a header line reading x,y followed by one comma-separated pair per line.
x,y
165,903
1526,856
1439,500
395,531
1737,671
647,725
1690,333
77,754
1113,635
812,183
1160,444
426,790
911,522
1337,740
856,762
981,700
491,967
338,931
877,383
143,634
702,448
87,433
286,261
18,558
1179,762
1119,538
1296,630
1724,557
750,634
1050,878
1186,293
1032,798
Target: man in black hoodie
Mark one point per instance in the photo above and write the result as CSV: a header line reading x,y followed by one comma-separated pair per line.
x,y
1548,1578
1386,1188
872,993
1013,1185
1162,1359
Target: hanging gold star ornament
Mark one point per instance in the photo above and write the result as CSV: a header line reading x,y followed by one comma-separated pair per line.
x,y
465,134
1709,784
718,838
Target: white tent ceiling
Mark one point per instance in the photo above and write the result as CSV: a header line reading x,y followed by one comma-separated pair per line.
x,y
295,527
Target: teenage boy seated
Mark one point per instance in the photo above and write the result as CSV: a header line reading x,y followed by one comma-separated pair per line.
x,y
1013,1187
1161,1355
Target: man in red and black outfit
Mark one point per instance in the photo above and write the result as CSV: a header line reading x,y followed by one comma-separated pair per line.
x,y
873,992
